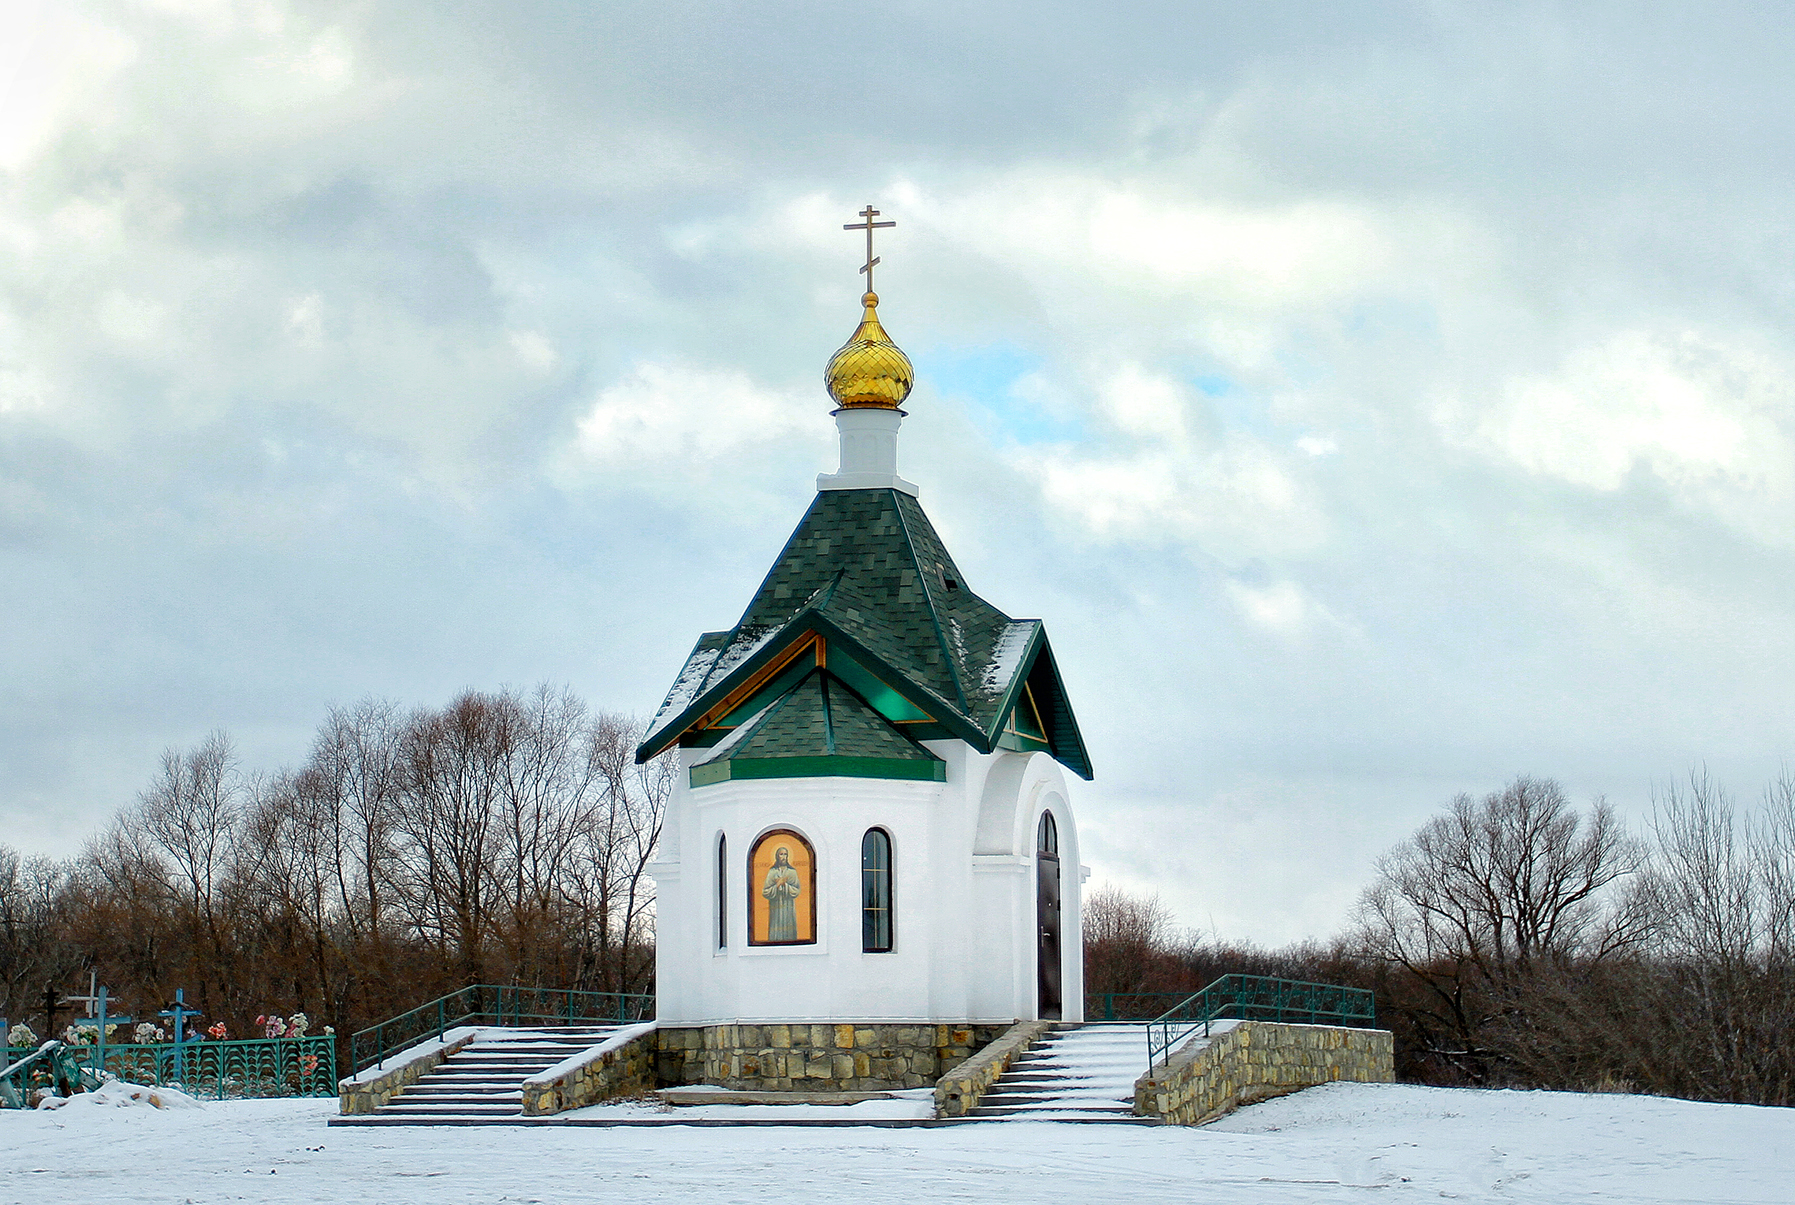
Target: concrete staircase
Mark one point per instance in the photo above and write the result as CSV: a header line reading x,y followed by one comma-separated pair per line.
x,y
483,1081
1082,1073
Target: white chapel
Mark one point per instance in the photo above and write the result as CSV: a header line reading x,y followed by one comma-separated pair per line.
x,y
871,825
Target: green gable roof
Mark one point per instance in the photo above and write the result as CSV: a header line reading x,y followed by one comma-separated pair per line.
x,y
817,729
866,568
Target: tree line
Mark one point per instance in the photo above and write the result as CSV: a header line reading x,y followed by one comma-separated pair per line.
x,y
1518,941
1513,940
503,838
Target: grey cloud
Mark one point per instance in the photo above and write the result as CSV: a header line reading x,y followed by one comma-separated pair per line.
x,y
298,324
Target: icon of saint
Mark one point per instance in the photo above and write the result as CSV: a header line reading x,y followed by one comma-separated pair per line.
x,y
781,890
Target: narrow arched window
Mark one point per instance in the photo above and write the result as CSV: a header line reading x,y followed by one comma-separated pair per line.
x,y
722,892
875,891
1047,839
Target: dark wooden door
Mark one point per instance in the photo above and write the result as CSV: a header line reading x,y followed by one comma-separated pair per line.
x,y
1047,925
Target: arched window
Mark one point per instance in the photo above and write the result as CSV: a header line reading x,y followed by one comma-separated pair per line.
x,y
1047,838
875,891
781,890
722,892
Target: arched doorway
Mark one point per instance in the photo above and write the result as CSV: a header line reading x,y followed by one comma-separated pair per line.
x,y
1047,918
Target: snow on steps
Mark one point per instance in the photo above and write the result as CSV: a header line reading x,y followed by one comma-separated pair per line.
x,y
1082,1073
1075,1073
483,1081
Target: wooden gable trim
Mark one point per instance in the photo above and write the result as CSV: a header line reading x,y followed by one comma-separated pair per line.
x,y
808,642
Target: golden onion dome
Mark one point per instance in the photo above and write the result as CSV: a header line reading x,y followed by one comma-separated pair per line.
x,y
869,370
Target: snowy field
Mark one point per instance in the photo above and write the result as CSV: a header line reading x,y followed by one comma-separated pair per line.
x,y
1346,1142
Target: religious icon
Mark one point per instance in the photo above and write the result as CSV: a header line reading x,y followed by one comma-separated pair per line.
x,y
781,891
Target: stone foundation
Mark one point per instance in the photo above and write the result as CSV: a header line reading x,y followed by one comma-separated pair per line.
x,y
816,1058
622,1066
958,1092
1257,1060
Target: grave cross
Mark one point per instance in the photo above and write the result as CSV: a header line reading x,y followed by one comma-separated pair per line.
x,y
104,1021
52,1006
179,1011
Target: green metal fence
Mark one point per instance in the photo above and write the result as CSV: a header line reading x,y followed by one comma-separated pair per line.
x,y
492,1004
1258,998
53,1066
232,1070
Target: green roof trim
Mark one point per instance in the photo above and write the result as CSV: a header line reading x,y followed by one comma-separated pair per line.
x,y
866,570
711,773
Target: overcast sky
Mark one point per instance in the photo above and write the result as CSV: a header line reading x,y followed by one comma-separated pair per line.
x,y
1377,401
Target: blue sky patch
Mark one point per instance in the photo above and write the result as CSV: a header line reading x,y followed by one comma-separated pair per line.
x,y
987,377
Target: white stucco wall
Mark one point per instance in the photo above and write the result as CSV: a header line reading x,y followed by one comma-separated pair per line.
x,y
963,896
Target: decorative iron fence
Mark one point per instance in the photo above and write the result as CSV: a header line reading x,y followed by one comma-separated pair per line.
x,y
1258,998
491,1004
229,1070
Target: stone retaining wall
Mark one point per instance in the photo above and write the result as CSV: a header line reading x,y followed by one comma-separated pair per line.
x,y
816,1058
622,1066
368,1090
958,1091
1257,1060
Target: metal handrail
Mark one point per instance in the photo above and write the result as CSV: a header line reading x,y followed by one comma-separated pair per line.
x,y
492,1004
1258,998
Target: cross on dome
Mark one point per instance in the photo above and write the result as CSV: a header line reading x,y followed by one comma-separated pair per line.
x,y
869,370
869,213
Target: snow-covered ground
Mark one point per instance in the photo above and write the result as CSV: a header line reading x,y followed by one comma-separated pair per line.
x,y
1339,1143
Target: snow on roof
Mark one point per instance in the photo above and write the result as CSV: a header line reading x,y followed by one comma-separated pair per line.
x,y
1006,657
685,687
707,665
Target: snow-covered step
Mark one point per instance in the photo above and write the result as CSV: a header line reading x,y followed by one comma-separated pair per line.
x,y
1081,1073
483,1080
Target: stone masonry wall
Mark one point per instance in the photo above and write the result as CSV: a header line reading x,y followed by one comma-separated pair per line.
x,y
1257,1060
624,1069
816,1058
369,1090
958,1091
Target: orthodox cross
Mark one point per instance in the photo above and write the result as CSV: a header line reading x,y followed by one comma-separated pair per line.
x,y
179,1012
869,213
90,998
52,1006
105,1020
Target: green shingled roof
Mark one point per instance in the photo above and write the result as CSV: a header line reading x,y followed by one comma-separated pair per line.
x,y
866,567
818,728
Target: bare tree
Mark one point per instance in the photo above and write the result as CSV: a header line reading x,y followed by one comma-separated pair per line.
x,y
1479,898
34,945
187,823
620,845
357,770
1723,976
549,794
444,858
